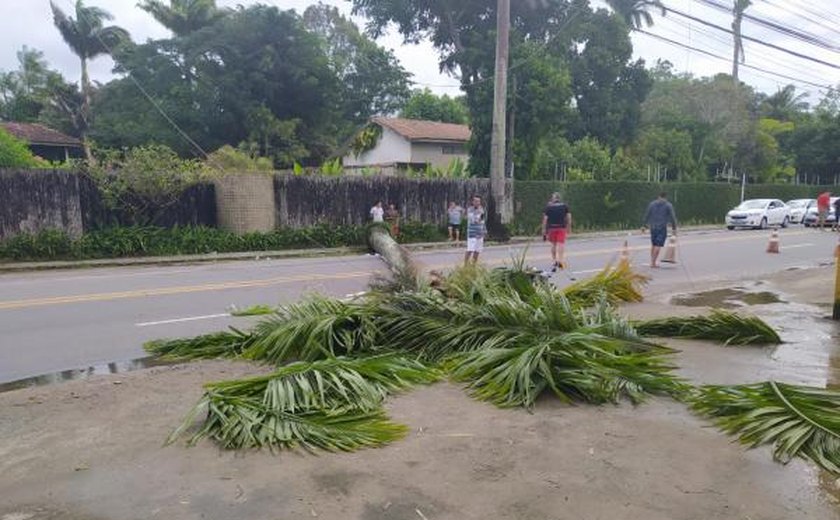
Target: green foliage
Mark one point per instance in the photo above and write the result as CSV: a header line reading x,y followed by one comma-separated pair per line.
x,y
699,203
798,421
144,178
155,241
15,154
229,159
332,168
615,284
254,310
226,344
367,139
720,325
427,106
333,404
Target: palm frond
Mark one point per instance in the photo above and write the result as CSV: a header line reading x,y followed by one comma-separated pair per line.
x,y
225,344
254,310
574,366
720,325
615,284
317,328
798,421
333,404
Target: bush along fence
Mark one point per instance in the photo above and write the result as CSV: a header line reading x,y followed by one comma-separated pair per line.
x,y
60,214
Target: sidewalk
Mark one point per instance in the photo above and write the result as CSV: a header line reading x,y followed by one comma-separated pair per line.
x,y
289,253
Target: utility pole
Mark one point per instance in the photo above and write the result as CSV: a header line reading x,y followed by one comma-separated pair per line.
x,y
501,197
738,55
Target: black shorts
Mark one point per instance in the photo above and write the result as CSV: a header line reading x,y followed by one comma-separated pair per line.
x,y
658,236
454,226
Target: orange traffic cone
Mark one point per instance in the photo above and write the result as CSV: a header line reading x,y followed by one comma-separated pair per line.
x,y
625,252
669,255
773,244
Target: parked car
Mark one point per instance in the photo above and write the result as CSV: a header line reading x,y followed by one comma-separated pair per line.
x,y
759,214
799,208
812,218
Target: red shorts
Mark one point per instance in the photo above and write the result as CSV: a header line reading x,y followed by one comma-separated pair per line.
x,y
557,235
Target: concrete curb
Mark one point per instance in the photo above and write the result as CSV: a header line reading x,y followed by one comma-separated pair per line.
x,y
269,255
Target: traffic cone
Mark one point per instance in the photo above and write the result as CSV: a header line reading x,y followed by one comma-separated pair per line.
x,y
773,244
669,255
625,252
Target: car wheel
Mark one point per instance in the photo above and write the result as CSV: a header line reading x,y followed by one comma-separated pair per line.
x,y
785,222
763,224
730,228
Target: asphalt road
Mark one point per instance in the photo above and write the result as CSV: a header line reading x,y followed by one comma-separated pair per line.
x,y
59,320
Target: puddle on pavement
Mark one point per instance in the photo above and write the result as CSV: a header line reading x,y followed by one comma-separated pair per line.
x,y
84,373
729,298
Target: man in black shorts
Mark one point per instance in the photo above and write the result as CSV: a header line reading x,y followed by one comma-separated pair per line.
x,y
659,214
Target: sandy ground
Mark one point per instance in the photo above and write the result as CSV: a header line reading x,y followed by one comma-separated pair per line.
x,y
90,450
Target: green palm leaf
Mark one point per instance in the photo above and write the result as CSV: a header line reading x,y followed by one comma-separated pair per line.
x,y
317,328
226,344
616,284
798,421
720,325
306,402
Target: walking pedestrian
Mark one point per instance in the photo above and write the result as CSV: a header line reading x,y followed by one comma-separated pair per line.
x,y
392,217
376,212
556,225
476,230
659,214
454,215
823,207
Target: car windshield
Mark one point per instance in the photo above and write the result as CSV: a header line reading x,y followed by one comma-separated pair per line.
x,y
753,204
797,203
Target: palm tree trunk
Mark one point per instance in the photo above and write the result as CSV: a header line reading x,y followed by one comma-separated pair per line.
x,y
85,111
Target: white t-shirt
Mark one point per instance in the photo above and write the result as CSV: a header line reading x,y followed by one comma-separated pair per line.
x,y
377,214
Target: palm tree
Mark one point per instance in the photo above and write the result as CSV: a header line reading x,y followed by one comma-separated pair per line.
x,y
88,38
738,54
785,104
183,16
636,13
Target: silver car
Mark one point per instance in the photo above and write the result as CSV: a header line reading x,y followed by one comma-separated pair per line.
x,y
799,208
759,214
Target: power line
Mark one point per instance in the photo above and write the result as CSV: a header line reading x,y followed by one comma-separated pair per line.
x,y
716,56
754,40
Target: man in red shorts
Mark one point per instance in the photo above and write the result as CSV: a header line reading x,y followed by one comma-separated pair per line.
x,y
556,225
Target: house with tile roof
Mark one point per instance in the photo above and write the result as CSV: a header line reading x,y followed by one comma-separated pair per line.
x,y
411,143
45,142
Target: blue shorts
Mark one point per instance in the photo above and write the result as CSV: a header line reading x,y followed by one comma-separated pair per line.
x,y
658,236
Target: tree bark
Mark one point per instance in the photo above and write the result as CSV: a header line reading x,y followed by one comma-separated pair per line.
x,y
399,260
85,111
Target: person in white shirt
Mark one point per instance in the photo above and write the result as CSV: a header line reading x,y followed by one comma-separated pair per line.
x,y
377,213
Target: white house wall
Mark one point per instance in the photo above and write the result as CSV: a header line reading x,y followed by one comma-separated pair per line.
x,y
391,148
432,153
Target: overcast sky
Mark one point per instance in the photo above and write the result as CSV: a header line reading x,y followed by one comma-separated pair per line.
x,y
29,22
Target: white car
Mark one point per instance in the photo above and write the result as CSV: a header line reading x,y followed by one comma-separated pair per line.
x,y
799,208
759,214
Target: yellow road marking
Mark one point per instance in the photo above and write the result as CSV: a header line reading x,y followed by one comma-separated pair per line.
x,y
186,289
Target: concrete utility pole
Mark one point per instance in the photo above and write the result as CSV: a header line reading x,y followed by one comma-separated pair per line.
x,y
498,184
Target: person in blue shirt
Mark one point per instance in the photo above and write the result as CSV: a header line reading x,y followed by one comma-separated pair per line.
x,y
476,230
659,214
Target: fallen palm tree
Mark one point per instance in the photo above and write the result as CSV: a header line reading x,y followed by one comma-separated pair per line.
x,y
723,326
507,335
798,421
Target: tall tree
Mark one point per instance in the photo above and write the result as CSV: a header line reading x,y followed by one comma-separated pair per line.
x,y
785,105
738,57
424,104
636,13
183,17
88,37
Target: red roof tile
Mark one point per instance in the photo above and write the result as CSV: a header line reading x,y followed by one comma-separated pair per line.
x,y
417,130
34,133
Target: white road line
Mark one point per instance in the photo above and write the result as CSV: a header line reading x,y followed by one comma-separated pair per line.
x,y
587,271
181,320
797,246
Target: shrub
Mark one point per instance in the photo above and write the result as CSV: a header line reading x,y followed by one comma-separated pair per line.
x,y
15,154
